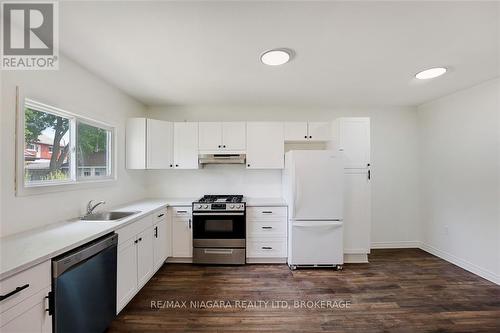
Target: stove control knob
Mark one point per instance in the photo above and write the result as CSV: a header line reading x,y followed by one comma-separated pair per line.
x,y
231,206
206,206
238,206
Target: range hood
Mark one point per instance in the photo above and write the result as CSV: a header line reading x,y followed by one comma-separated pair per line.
x,y
221,158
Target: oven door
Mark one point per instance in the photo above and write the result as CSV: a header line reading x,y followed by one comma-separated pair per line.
x,y
219,225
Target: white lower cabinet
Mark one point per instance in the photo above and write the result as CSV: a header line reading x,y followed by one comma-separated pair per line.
x,y
182,228
266,234
142,249
25,310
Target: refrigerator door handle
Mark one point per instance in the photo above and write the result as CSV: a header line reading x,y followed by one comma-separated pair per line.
x,y
332,224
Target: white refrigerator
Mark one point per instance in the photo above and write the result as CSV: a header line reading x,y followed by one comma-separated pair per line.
x,y
313,190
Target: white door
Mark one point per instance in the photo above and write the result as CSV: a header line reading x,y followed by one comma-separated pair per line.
x,y
210,136
319,131
316,186
182,243
144,256
265,145
315,243
357,213
234,136
126,273
186,145
135,143
296,131
160,144
354,141
160,243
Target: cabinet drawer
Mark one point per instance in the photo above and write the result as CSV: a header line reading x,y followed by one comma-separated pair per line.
x,y
266,248
182,211
35,278
276,228
134,228
160,215
265,212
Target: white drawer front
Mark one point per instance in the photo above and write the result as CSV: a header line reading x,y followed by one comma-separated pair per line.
x,y
160,215
265,212
37,277
266,248
134,228
182,211
257,228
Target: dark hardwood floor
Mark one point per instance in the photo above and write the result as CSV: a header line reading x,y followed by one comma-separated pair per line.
x,y
398,291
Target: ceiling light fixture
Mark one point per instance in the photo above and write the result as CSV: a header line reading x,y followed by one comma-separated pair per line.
x,y
430,73
276,57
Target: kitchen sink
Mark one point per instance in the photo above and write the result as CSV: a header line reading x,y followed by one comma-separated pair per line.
x,y
107,216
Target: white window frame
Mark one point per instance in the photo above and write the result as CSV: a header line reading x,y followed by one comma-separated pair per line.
x,y
73,182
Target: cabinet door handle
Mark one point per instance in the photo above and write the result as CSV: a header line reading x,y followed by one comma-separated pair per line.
x,y
224,146
140,239
248,165
220,146
161,215
50,303
13,292
177,165
267,227
171,165
267,212
189,223
310,137
267,248
182,211
136,241
369,174
156,232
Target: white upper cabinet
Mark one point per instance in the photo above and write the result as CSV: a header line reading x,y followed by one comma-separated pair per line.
x,y
265,145
319,131
222,136
307,131
234,135
210,136
352,137
160,144
186,145
135,142
296,131
149,144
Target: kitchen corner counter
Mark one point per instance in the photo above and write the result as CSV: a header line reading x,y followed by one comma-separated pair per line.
x,y
265,202
26,249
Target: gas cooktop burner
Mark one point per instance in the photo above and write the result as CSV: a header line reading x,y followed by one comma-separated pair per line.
x,y
221,199
220,203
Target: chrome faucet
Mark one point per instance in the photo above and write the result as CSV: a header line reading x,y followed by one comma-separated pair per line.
x,y
90,207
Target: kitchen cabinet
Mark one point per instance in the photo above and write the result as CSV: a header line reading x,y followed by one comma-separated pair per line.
x,y
266,234
265,145
296,131
145,254
135,262
25,310
186,145
216,137
351,135
149,144
160,241
182,228
357,212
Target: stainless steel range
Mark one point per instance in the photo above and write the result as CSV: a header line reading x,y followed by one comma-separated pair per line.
x,y
219,230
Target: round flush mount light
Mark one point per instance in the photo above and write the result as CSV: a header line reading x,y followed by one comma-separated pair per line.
x,y
431,73
276,57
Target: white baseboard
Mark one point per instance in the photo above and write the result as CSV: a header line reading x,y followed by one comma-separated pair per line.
x,y
266,260
488,275
355,258
396,245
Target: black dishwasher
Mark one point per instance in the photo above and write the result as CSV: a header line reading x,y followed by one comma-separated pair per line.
x,y
84,287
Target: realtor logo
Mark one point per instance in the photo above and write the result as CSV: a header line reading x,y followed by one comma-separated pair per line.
x,y
30,36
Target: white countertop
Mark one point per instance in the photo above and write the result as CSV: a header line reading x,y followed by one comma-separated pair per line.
x,y
27,249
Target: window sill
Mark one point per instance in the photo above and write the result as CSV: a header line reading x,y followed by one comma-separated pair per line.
x,y
36,189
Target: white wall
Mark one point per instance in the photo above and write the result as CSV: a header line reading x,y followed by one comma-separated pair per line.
x,y
394,161
460,174
76,90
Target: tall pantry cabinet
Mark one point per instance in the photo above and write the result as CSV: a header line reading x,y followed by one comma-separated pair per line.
x,y
351,136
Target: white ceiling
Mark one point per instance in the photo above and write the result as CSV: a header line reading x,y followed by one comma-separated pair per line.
x,y
347,53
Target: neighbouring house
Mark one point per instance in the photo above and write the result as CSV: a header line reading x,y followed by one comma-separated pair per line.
x,y
37,157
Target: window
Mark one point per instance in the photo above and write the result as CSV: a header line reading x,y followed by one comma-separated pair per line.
x,y
62,148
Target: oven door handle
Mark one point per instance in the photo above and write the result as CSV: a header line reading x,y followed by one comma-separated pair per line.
x,y
218,214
